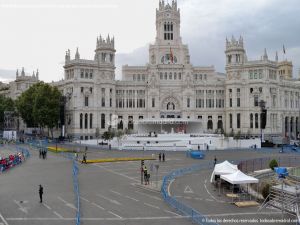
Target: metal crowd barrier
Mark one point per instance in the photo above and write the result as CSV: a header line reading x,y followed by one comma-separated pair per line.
x,y
193,214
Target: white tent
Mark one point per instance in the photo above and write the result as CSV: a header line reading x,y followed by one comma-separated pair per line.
x,y
223,168
239,178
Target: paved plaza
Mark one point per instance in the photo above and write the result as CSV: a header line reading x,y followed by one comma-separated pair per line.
x,y
109,193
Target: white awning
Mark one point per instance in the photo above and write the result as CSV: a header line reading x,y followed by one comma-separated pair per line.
x,y
239,178
223,168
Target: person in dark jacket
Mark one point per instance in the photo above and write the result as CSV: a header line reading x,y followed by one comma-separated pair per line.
x,y
41,192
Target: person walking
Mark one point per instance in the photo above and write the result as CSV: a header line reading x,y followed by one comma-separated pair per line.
x,y
145,175
41,192
159,157
215,160
84,158
163,157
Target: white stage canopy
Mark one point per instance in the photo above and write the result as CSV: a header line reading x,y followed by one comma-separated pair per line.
x,y
239,178
223,168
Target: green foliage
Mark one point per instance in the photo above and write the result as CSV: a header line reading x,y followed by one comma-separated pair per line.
x,y
108,135
6,104
40,105
273,163
265,190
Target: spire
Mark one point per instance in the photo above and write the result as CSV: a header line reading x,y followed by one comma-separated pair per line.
x,y
33,74
67,56
265,57
276,57
17,73
22,73
77,56
37,74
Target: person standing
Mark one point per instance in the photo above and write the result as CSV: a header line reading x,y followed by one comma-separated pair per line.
x,y
41,192
145,175
159,157
84,158
163,157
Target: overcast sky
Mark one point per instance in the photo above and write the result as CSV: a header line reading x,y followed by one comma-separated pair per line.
x,y
36,33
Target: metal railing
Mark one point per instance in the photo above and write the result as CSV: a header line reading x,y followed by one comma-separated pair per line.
x,y
188,211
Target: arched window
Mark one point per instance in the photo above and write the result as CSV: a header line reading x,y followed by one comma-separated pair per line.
x,y
220,125
209,124
81,118
86,121
91,121
130,123
102,121
251,120
256,120
170,106
120,125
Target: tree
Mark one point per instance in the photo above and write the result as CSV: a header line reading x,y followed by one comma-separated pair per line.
x,y
39,106
6,104
273,163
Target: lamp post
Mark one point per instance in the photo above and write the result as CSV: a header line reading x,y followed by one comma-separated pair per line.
x,y
263,119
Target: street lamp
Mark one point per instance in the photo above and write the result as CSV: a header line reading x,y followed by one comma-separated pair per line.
x,y
263,118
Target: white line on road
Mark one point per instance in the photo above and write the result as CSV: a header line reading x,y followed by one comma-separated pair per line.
x,y
115,192
58,215
241,214
136,200
67,203
84,199
172,212
153,206
150,196
120,174
47,206
209,200
209,192
169,187
23,209
115,214
3,220
98,206
108,199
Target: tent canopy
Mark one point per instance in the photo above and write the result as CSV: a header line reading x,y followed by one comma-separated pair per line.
x,y
223,168
239,178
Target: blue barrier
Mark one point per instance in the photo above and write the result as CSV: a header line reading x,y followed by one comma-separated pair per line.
x,y
193,214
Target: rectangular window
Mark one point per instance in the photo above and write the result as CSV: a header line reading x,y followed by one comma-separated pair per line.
x,y
230,121
110,102
238,120
238,102
230,102
103,102
188,102
81,89
153,102
86,101
256,100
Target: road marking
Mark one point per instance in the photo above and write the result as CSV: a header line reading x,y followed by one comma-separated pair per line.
x,y
153,206
150,196
97,219
23,209
241,214
210,200
188,197
120,174
210,193
98,206
3,220
169,193
115,214
188,190
47,206
131,198
58,215
84,199
67,203
108,199
172,212
115,192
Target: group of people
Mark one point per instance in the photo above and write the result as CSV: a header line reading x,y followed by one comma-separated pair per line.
x,y
43,153
11,161
161,157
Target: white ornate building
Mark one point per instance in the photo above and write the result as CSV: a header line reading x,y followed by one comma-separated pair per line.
x,y
169,86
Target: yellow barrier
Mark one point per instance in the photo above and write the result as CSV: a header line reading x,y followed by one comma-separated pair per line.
x,y
54,149
117,160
